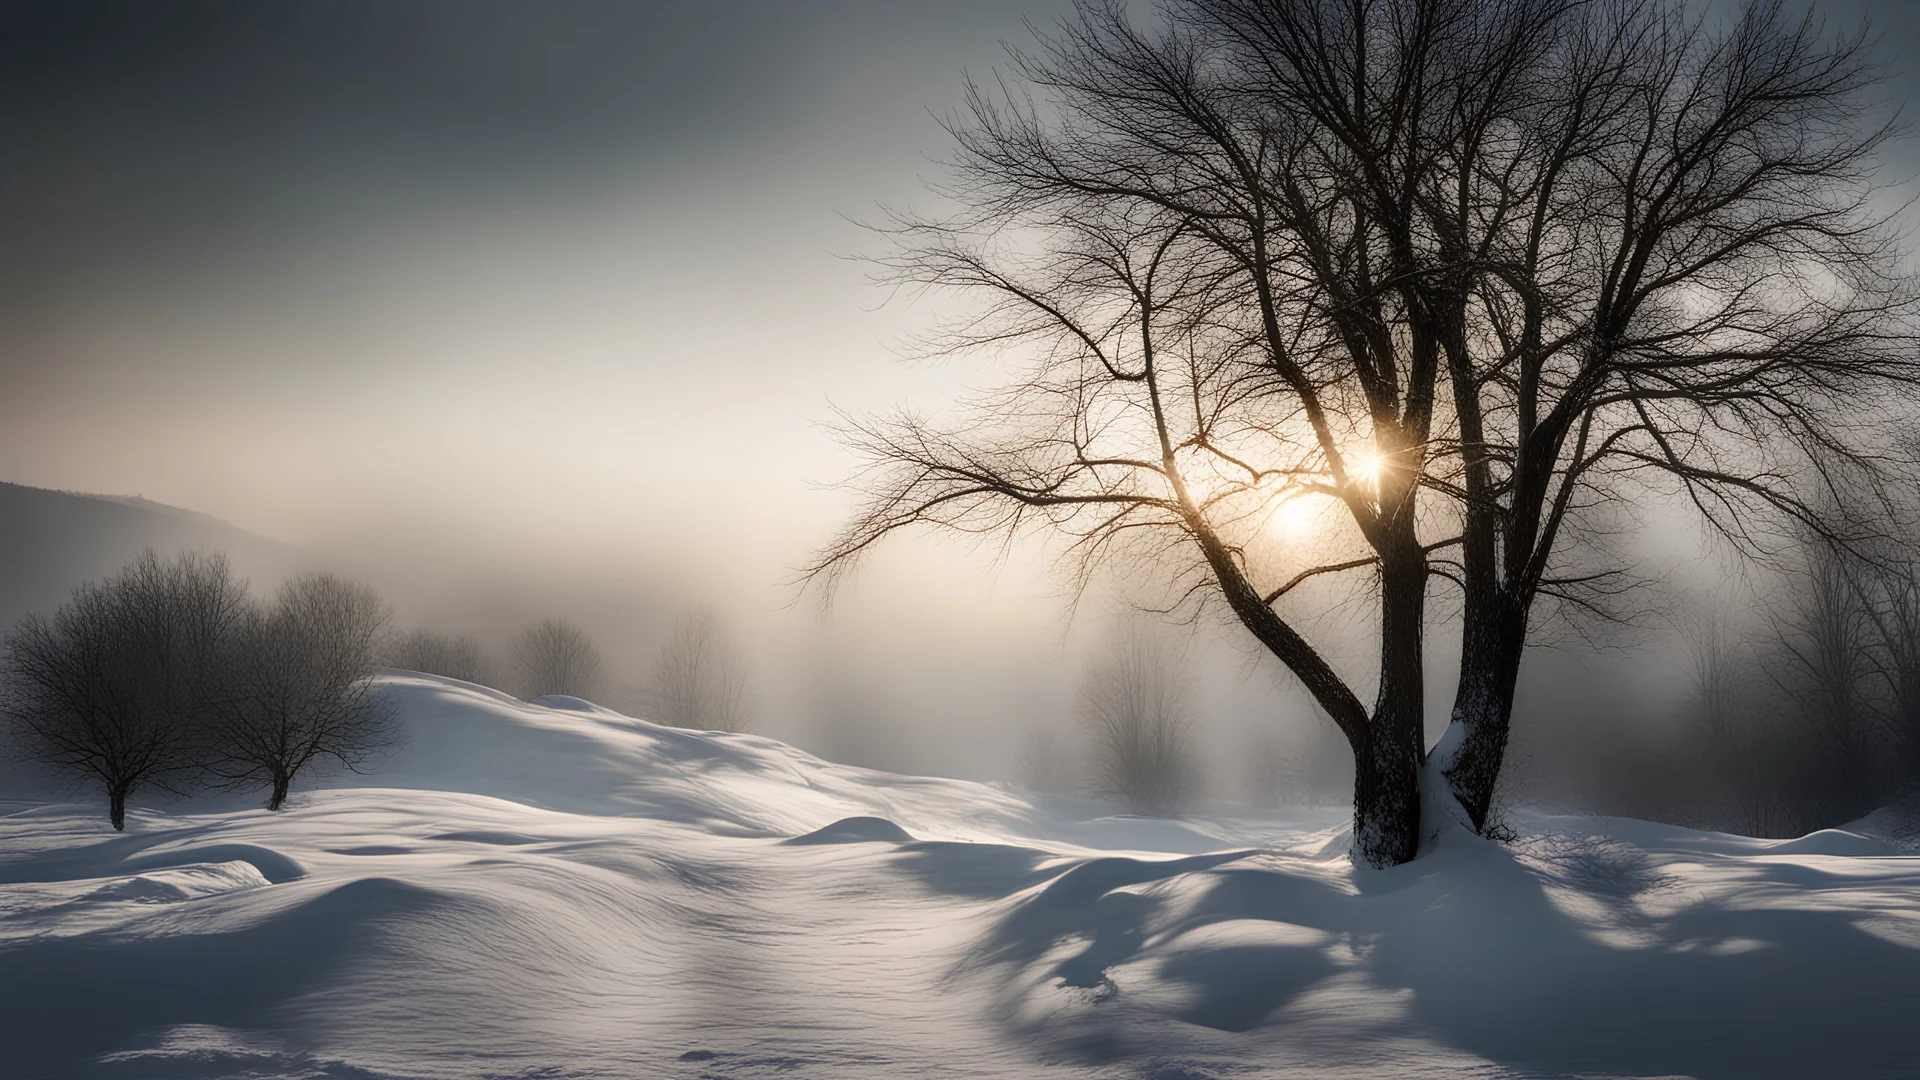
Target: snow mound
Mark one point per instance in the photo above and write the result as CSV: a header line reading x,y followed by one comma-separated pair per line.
x,y
1842,842
183,883
855,830
570,703
551,889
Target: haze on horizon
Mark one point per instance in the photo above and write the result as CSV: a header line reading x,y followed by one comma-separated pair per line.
x,y
522,306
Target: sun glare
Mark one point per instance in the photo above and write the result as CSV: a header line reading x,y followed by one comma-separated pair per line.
x,y
1366,468
1295,517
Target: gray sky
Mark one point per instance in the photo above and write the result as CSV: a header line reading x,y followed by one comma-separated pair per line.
x,y
547,295
323,268
519,306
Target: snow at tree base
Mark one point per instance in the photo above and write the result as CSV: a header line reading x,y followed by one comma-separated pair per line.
x,y
555,890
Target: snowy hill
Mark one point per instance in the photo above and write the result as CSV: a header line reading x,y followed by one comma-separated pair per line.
x,y
51,541
554,890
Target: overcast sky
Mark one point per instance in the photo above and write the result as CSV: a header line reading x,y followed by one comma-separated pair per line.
x,y
550,285
328,267
550,297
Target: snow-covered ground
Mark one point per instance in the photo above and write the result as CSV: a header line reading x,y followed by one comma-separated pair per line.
x,y
554,890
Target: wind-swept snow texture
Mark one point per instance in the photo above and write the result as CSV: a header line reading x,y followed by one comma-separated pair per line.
x,y
554,890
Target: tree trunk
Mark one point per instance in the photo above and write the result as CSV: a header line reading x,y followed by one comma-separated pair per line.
x,y
117,808
1387,774
1386,802
278,798
1469,755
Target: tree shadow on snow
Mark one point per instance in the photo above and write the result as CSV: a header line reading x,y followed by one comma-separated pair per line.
x,y
1547,962
975,871
1718,989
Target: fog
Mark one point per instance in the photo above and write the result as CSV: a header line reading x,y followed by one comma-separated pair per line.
x,y
519,311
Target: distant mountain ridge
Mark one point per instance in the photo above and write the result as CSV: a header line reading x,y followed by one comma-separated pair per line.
x,y
51,541
141,502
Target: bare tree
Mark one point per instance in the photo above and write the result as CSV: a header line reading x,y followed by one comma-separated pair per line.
x,y
1714,670
1300,768
554,656
1824,641
701,679
1273,771
1660,267
1894,660
1139,729
115,684
438,654
1046,766
298,687
1447,276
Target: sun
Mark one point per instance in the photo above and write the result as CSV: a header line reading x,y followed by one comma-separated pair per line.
x,y
1295,517
1365,468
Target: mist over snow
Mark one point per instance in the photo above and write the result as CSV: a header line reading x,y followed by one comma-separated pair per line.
x,y
1190,540
554,889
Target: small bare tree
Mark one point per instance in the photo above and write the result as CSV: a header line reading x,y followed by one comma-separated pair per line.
x,y
1894,658
1714,674
1273,772
554,656
1139,729
1046,765
298,687
435,653
701,679
113,687
1299,768
1824,640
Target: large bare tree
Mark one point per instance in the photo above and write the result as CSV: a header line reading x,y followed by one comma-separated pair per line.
x,y
1401,289
1661,267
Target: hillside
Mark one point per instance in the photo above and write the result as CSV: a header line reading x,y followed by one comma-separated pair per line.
x,y
555,890
51,541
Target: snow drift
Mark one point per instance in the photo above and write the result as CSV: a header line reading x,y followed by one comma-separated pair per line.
x,y
556,890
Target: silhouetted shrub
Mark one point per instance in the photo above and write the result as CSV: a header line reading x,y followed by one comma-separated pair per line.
x,y
553,656
116,686
1137,723
1046,765
438,654
1309,768
700,679
297,687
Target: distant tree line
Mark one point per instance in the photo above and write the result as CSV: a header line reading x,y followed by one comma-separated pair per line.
x,y
169,675
1813,720
548,656
701,679
434,653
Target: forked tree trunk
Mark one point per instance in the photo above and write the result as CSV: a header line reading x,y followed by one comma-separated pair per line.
x,y
117,808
